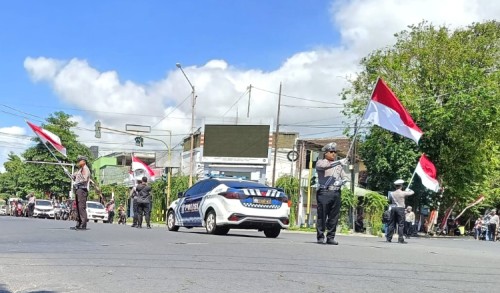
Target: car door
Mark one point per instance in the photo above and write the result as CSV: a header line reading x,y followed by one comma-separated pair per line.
x,y
189,209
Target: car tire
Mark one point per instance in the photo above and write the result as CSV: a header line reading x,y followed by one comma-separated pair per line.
x,y
272,232
211,225
171,221
95,221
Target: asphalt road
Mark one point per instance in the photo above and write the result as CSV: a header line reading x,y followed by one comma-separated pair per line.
x,y
39,255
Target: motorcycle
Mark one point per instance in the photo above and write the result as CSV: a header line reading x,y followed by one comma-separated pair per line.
x,y
19,210
63,214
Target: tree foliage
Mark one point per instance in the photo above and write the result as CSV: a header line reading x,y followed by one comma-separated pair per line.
x,y
450,83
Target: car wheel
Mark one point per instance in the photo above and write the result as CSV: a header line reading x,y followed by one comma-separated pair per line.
x,y
95,221
272,232
211,225
171,221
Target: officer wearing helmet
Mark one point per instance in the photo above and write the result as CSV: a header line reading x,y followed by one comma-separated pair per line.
x,y
81,185
331,177
397,198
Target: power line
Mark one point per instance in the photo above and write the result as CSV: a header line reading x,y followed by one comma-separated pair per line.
x,y
298,98
235,103
175,108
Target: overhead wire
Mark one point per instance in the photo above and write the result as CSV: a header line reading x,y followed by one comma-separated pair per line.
x,y
236,102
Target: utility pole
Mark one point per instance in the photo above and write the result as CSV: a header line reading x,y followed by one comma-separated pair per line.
x,y
276,137
249,97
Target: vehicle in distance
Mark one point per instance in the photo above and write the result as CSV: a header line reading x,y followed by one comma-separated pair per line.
x,y
223,204
43,209
96,212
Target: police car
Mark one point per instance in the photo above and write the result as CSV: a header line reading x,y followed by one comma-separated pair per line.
x,y
223,204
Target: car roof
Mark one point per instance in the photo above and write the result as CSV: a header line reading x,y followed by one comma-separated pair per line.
x,y
240,183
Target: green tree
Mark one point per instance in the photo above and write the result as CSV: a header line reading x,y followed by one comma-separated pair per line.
x,y
290,185
51,178
12,181
450,83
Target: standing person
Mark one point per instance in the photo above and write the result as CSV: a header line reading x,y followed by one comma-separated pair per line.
x,y
494,223
81,184
478,226
31,204
398,211
143,202
133,197
111,210
409,221
331,177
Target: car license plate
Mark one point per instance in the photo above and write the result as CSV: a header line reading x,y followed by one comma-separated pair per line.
x,y
262,200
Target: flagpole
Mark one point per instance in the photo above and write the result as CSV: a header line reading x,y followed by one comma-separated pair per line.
x,y
60,164
411,180
361,122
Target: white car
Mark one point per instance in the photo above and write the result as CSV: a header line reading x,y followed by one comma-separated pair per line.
x,y
96,212
3,210
223,204
43,209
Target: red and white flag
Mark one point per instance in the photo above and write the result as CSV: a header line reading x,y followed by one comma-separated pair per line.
x,y
475,202
386,111
139,168
427,172
48,137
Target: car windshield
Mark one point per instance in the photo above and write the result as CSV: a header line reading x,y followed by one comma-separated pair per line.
x,y
95,205
43,203
244,184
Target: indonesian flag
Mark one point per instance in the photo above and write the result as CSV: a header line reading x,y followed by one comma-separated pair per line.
x,y
427,172
386,111
48,137
139,168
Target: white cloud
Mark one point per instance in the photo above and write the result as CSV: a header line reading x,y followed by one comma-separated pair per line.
x,y
364,25
12,139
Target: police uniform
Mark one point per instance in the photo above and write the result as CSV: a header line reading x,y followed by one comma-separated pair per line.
x,y
331,177
135,210
398,211
81,186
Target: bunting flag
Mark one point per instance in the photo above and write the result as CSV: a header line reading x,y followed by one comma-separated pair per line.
x,y
475,202
48,137
386,111
427,172
140,169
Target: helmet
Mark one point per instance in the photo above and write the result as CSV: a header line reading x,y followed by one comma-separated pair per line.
x,y
399,182
331,147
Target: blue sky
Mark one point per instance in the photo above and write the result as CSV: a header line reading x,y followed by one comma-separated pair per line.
x,y
114,61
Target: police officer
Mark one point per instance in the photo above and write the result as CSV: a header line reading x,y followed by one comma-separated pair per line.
x,y
133,196
144,202
398,211
331,177
81,185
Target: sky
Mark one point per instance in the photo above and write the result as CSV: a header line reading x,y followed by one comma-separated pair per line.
x,y
115,61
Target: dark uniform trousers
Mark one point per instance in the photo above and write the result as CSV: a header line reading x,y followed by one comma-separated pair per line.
x,y
136,211
143,209
81,207
397,217
328,209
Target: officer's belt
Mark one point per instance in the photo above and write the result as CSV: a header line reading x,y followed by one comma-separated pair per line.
x,y
329,187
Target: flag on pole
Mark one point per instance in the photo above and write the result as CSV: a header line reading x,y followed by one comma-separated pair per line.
x,y
140,169
427,172
48,137
386,111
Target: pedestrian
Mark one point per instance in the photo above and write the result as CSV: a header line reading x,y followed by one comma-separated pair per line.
x,y
409,221
111,210
331,177
494,223
133,198
478,226
143,202
122,218
81,185
31,204
398,211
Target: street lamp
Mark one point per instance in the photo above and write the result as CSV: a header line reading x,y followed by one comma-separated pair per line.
x,y
193,102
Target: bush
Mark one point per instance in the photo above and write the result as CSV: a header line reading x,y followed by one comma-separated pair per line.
x,y
349,201
290,185
374,205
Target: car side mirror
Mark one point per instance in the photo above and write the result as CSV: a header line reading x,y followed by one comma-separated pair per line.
x,y
180,194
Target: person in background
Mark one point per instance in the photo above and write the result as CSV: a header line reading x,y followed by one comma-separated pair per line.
x,y
478,226
493,225
409,221
133,196
31,204
81,185
398,211
110,207
122,217
143,202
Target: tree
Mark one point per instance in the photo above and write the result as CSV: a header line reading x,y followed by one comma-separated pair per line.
x,y
13,179
450,83
51,178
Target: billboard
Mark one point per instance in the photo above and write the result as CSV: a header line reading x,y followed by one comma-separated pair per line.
x,y
236,144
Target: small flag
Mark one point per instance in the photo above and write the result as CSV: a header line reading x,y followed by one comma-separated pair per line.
x,y
428,174
48,137
386,111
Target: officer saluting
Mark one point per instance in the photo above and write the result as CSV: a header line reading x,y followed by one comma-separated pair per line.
x,y
398,211
331,177
81,186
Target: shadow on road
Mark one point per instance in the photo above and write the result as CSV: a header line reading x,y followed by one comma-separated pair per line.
x,y
3,289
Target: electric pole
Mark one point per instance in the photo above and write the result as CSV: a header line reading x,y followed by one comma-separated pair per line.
x,y
276,137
